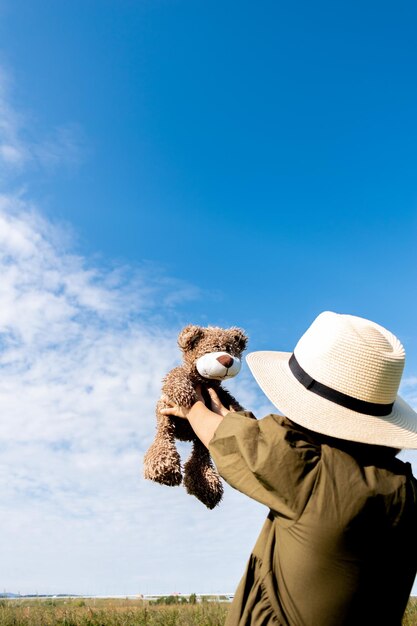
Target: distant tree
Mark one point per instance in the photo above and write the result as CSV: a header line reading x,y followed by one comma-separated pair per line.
x,y
192,599
161,600
171,600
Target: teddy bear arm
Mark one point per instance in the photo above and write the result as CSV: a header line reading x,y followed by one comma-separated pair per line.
x,y
162,462
178,388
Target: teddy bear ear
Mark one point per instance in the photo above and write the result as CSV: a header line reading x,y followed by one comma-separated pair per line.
x,y
239,337
189,336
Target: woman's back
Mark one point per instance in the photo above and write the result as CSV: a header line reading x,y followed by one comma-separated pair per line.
x,y
339,547
351,556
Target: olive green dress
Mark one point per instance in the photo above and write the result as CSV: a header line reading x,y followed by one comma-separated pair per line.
x,y
339,545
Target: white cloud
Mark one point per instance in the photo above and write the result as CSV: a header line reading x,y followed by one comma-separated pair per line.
x,y
82,354
83,349
21,145
13,152
81,364
81,361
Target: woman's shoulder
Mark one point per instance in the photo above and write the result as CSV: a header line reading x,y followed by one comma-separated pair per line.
x,y
296,435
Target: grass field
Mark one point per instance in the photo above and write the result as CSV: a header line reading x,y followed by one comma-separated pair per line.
x,y
79,612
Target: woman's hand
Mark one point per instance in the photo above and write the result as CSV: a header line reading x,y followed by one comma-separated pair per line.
x,y
182,411
203,421
216,406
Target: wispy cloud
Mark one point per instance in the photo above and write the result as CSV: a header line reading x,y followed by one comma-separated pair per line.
x,y
81,364
408,390
80,370
22,147
83,348
408,382
13,152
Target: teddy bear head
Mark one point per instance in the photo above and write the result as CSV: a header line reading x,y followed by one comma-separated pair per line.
x,y
212,352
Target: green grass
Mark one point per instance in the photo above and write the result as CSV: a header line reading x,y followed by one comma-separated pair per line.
x,y
79,612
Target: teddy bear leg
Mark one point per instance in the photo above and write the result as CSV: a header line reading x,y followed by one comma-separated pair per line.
x,y
162,462
201,478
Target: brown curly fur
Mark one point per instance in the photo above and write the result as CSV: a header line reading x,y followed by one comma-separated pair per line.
x,y
162,462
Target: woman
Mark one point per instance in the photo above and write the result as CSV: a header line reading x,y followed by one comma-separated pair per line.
x,y
339,546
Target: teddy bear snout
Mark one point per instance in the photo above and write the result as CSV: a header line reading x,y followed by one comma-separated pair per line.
x,y
218,365
225,360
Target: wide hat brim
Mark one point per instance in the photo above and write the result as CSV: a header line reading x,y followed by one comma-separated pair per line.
x,y
272,373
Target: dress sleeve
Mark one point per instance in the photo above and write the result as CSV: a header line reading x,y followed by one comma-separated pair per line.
x,y
266,460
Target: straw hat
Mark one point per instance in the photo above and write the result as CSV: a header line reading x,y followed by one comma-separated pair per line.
x,y
341,380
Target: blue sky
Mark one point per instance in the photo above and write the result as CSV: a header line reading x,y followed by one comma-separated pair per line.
x,y
169,162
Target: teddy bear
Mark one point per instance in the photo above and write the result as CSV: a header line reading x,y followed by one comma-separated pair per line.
x,y
210,355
